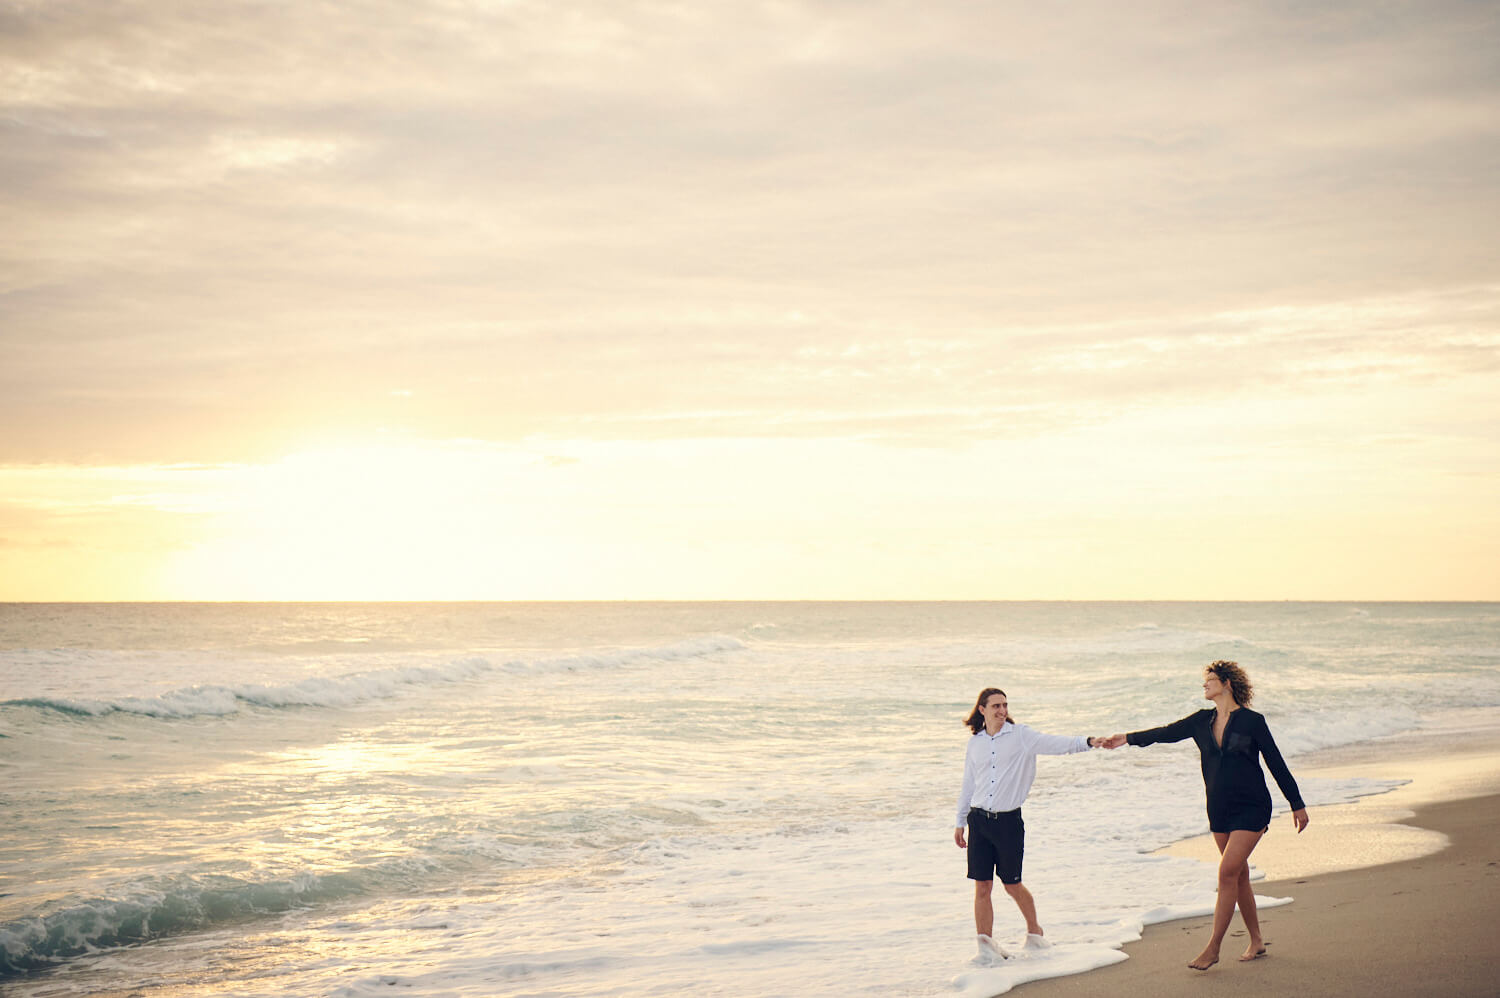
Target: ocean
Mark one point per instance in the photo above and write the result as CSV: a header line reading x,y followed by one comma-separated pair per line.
x,y
631,799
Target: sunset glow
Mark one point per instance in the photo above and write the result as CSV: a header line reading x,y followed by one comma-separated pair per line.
x,y
618,301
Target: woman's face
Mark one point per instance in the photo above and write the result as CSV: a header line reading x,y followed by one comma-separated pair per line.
x,y
1213,686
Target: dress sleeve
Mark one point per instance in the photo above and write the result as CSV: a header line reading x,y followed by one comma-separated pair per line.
x,y
1278,767
1174,732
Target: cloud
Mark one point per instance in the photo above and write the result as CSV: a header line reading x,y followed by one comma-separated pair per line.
x,y
600,218
740,374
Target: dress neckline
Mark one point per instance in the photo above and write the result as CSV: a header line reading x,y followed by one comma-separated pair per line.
x,y
1218,740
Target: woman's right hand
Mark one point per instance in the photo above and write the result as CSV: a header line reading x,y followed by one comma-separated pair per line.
x,y
1114,741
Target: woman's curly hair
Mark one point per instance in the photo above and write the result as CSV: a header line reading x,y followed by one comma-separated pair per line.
x,y
1231,675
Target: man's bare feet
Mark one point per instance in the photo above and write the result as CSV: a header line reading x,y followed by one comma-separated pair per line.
x,y
990,952
1254,951
1205,960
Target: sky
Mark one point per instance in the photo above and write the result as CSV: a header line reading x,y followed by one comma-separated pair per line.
x,y
456,299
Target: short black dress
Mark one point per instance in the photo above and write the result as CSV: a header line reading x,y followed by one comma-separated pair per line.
x,y
1236,786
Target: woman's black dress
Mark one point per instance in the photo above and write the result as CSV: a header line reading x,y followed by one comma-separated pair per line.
x,y
1237,794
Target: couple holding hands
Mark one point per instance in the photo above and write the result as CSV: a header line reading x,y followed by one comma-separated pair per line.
x,y
1000,765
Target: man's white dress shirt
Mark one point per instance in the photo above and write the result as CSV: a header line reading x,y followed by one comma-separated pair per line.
x,y
999,769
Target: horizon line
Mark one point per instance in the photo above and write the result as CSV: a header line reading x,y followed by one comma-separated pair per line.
x,y
424,602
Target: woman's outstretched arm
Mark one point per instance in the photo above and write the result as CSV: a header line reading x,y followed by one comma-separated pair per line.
x,y
1174,732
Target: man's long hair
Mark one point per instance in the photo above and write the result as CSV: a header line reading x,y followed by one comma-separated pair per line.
x,y
975,720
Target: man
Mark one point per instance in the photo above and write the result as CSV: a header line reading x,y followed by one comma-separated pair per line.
x,y
999,768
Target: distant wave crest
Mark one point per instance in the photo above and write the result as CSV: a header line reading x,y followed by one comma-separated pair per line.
x,y
682,650
353,688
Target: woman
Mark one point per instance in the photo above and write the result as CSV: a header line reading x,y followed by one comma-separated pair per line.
x,y
1230,736
999,767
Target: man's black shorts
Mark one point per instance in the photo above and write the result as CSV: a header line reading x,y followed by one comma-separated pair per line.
x,y
996,843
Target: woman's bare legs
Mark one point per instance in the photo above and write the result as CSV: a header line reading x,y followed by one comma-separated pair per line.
x,y
1256,947
1234,889
1246,901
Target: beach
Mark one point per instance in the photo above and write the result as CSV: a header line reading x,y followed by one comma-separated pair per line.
x,y
1423,923
486,800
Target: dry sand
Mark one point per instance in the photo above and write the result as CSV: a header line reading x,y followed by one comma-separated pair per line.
x,y
1426,926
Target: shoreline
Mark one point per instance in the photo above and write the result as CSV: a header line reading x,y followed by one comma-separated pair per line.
x,y
1396,894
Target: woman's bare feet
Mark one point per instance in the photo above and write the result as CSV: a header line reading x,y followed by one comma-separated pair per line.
x,y
1254,951
1206,959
